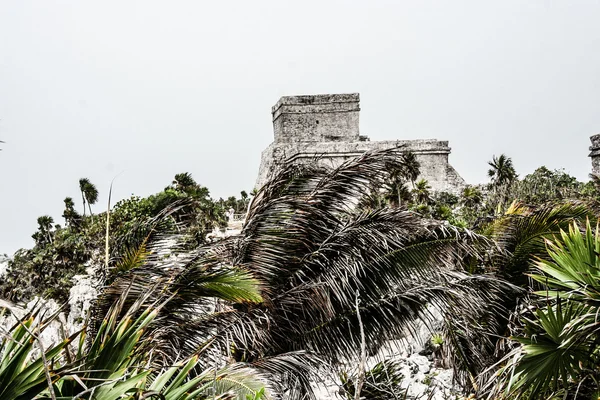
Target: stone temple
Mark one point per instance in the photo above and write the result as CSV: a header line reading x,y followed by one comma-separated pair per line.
x,y
325,129
595,154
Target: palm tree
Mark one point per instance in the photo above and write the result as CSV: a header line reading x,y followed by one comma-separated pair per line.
x,y
422,192
502,171
471,196
44,233
315,256
184,182
396,193
69,214
412,167
89,193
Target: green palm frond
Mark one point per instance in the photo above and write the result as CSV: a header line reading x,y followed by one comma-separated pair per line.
x,y
234,381
312,250
187,284
559,352
550,356
285,289
132,258
237,380
522,232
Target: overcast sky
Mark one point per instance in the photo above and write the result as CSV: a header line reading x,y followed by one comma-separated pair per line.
x,y
153,88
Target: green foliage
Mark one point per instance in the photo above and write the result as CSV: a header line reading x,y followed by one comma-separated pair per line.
x,y
394,189
501,170
284,291
422,192
538,188
437,340
574,265
312,253
521,235
71,216
471,197
47,269
60,253
381,383
239,206
560,342
23,375
117,364
550,358
544,185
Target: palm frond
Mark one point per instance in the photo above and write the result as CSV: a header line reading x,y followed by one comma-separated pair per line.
x,y
522,232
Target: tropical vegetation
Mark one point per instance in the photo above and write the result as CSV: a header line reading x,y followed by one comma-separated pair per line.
x,y
330,265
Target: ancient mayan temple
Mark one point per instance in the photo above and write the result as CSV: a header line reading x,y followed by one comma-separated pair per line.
x,y
325,128
595,153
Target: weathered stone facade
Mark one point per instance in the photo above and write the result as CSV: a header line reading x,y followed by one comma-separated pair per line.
x,y
595,153
325,128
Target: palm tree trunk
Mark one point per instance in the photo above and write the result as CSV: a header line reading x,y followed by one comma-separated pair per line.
x,y
83,199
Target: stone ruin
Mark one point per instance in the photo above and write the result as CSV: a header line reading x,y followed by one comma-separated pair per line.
x,y
595,154
325,129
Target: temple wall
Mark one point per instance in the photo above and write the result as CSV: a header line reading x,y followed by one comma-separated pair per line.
x,y
325,129
431,154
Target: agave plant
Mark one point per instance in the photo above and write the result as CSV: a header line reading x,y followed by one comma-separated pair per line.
x,y
116,364
24,375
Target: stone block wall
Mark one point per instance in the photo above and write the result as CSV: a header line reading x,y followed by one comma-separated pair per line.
x,y
316,118
431,154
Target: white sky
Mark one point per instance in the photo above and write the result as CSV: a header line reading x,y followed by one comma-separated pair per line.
x,y
153,88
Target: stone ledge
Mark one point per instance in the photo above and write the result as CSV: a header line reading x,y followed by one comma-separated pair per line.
x,y
303,100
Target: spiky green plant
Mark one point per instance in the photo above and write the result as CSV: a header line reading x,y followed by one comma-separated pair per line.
x,y
119,362
382,382
116,364
560,345
24,371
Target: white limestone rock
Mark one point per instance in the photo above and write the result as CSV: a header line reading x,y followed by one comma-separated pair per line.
x,y
81,296
3,264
